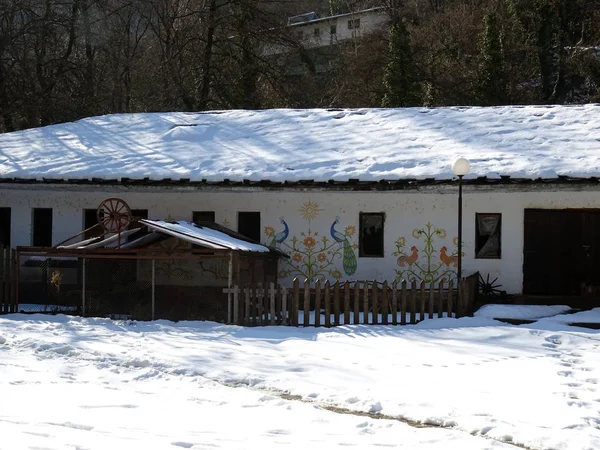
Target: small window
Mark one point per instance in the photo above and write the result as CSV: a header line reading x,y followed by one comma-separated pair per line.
x,y
139,213
371,235
90,218
487,237
5,226
249,225
317,32
333,29
354,24
200,217
41,235
299,35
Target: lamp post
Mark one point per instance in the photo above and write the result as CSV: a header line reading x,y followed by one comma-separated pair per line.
x,y
460,168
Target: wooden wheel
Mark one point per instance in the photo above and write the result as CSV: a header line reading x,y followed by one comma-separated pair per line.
x,y
114,215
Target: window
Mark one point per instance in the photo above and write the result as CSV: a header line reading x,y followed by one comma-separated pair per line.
x,y
42,227
371,235
90,219
249,225
333,29
199,217
317,32
139,213
299,35
354,24
5,226
487,235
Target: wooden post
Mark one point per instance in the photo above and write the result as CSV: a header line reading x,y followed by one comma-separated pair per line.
x,y
83,287
327,305
403,304
365,303
413,302
346,302
247,308
356,317
14,282
450,286
395,302
272,293
422,301
336,303
284,308
254,310
441,298
384,303
431,299
265,302
295,302
235,281
235,291
306,302
374,290
318,303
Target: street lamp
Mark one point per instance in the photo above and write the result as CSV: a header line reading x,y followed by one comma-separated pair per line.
x,y
460,168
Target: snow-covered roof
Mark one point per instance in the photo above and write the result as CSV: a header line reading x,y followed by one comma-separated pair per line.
x,y
204,236
319,145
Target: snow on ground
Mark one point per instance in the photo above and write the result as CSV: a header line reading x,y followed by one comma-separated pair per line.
x,y
70,382
312,144
523,312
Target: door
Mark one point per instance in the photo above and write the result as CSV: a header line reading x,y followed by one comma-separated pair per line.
x,y
552,251
590,247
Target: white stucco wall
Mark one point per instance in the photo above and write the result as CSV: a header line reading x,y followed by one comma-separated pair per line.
x,y
405,211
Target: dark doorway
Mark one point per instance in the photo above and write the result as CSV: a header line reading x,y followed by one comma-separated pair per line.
x,y
561,251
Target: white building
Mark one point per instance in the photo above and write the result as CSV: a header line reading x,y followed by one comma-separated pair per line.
x,y
313,31
350,194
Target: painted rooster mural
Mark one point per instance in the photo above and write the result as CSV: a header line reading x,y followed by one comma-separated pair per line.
x,y
281,236
348,258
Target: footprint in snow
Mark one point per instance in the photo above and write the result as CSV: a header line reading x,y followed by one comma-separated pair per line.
x,y
182,444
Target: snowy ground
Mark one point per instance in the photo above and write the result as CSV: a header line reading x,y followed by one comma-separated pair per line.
x,y
69,382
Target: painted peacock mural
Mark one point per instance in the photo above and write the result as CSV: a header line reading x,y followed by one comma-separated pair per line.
x,y
281,236
314,255
348,255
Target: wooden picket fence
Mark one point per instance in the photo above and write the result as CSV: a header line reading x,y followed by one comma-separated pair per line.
x,y
357,302
7,280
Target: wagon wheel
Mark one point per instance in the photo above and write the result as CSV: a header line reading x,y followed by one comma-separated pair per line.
x,y
114,215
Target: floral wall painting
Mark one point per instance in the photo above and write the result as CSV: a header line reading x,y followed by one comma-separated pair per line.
x,y
425,261
329,253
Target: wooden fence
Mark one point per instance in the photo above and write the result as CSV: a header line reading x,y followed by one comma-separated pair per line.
x,y
7,280
358,302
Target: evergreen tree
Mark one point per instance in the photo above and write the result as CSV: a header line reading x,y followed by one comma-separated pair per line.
x,y
491,83
401,81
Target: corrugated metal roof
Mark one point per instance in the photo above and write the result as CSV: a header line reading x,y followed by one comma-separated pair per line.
x,y
204,236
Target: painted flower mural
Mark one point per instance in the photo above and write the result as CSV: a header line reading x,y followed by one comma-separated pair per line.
x,y
314,255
